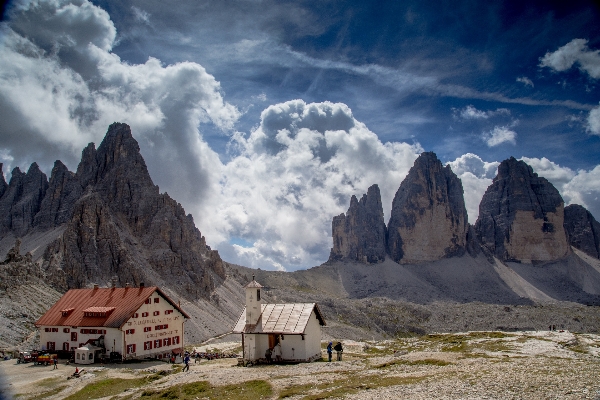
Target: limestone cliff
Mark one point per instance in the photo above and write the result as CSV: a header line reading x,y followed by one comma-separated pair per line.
x,y
428,220
582,229
360,234
521,216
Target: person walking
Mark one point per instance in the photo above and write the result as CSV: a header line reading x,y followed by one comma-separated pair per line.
x,y
186,360
268,354
55,361
339,350
329,350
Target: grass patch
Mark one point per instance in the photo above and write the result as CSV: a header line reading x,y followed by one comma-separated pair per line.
x,y
352,384
249,390
45,395
426,361
111,387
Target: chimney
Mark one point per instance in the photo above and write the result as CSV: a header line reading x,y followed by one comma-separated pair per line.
x,y
113,282
95,286
142,285
127,285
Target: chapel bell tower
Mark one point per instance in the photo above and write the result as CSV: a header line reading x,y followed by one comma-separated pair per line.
x,y
253,302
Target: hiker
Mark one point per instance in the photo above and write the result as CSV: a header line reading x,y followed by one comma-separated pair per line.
x,y
339,350
268,353
186,360
329,350
55,361
277,352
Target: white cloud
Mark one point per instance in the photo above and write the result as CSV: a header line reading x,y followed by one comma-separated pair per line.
x,y
58,99
576,51
557,175
525,81
140,15
296,171
476,175
593,121
472,113
499,135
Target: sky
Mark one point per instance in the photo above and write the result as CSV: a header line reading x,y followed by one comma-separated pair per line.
x,y
262,118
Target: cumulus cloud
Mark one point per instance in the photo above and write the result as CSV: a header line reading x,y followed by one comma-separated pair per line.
x,y
525,81
576,51
296,171
61,86
499,135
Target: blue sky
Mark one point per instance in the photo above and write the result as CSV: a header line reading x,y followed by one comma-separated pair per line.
x,y
263,117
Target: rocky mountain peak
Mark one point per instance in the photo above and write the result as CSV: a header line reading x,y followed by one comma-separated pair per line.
x,y
3,184
583,231
428,219
359,235
521,215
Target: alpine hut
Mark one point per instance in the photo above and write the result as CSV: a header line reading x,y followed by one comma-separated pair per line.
x,y
291,332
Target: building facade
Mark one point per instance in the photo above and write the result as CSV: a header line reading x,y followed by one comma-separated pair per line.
x,y
291,330
133,322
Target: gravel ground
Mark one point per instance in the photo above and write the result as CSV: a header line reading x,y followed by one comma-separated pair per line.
x,y
524,365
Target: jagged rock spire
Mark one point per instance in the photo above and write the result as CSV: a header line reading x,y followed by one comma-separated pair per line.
x,y
428,219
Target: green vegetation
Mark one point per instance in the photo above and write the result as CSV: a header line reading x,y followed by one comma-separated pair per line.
x,y
351,384
249,390
45,395
111,387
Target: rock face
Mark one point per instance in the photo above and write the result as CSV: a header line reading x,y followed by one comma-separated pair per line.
x,y
360,234
583,231
428,219
521,216
116,223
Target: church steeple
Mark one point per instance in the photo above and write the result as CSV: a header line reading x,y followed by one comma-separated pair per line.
x,y
253,302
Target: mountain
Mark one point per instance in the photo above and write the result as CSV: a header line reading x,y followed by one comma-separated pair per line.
x,y
428,219
582,230
360,233
521,216
108,222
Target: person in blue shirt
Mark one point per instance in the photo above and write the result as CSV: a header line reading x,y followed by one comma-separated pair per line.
x,y
186,360
329,350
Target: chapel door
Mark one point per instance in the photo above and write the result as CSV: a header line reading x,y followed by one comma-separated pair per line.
x,y
272,338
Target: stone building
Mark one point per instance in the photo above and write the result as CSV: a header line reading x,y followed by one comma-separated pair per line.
x,y
291,330
133,322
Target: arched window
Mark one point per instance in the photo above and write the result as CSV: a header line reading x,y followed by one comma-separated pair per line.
x,y
78,356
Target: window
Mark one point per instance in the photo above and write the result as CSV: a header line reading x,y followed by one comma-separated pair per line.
x,y
155,313
66,346
167,341
147,329
144,314
130,331
93,331
73,336
135,315
130,348
156,299
176,340
79,356
85,331
167,312
66,330
148,345
160,327
50,346
157,343
257,294
148,301
46,329
91,356
54,329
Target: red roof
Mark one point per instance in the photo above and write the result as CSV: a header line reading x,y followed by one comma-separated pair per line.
x,y
125,302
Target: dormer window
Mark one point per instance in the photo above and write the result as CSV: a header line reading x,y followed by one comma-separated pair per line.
x,y
98,312
66,312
